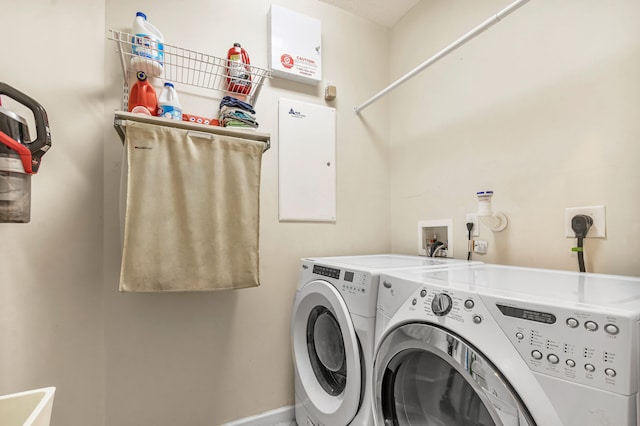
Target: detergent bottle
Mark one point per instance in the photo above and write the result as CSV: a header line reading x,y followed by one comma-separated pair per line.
x,y
168,104
142,97
238,70
147,47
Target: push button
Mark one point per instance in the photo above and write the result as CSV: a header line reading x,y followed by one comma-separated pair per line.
x,y
610,372
591,326
536,354
590,368
570,363
611,329
469,304
553,359
572,322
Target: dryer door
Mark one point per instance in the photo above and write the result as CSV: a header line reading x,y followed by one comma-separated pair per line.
x,y
425,375
326,354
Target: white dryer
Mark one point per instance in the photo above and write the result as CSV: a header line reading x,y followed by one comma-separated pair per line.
x,y
498,345
332,327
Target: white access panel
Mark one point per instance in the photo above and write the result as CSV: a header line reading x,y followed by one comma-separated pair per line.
x,y
294,43
307,161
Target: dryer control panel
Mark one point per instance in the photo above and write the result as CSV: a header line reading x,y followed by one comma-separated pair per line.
x,y
347,281
358,288
588,347
326,271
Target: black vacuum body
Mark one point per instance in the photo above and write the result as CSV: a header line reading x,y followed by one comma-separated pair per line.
x,y
20,157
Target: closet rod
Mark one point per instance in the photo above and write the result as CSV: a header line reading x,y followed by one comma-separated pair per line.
x,y
450,48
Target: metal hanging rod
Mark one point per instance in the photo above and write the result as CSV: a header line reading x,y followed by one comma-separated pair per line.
x,y
441,54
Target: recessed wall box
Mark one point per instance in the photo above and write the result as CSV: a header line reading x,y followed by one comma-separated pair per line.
x,y
294,46
435,236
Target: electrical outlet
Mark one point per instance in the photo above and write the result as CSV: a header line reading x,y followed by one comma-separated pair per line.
x,y
596,213
480,246
473,218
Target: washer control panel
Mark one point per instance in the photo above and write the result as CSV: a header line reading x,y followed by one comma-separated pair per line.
x,y
588,347
444,305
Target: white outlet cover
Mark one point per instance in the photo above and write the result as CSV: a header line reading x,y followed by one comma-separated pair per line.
x,y
597,213
473,217
480,246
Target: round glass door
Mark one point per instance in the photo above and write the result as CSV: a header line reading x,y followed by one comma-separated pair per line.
x,y
326,354
428,376
326,350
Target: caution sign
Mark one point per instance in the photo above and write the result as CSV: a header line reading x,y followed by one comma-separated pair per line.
x,y
294,46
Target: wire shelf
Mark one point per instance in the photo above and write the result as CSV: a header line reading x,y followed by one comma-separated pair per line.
x,y
189,67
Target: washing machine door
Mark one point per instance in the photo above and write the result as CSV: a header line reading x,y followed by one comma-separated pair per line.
x,y
326,354
425,375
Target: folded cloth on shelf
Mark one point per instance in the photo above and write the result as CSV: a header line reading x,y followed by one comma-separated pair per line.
x,y
235,102
238,112
238,124
192,211
237,116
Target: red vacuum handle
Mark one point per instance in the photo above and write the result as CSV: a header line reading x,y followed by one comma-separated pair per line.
x,y
42,143
22,150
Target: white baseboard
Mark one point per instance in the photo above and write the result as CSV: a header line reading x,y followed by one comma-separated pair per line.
x,y
284,416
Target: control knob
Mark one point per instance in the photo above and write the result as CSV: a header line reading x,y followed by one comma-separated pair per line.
x,y
441,304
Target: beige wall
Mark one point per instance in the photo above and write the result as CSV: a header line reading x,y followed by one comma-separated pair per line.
x,y
542,108
51,307
545,99
196,359
190,359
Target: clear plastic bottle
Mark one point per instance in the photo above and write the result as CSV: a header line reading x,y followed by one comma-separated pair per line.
x,y
147,47
168,104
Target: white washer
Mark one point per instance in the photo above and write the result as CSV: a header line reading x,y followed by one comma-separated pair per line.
x,y
499,345
332,327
